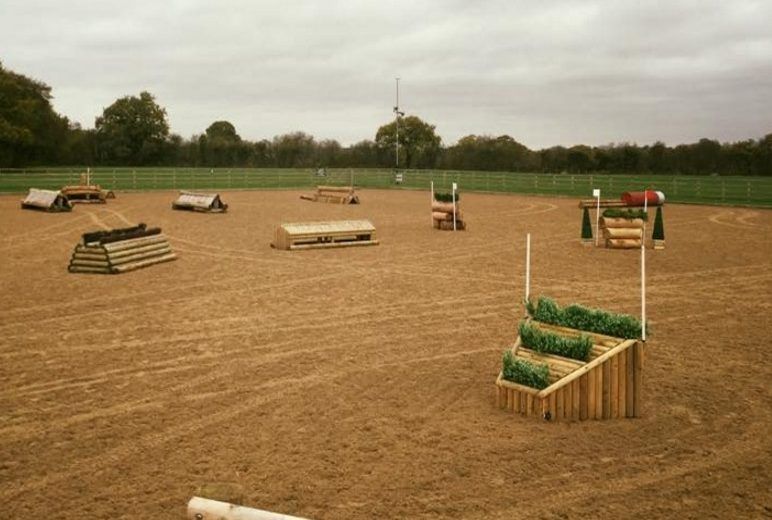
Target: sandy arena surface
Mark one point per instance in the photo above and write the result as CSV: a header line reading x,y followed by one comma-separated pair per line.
x,y
359,382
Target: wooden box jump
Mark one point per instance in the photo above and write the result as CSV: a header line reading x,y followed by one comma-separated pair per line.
x,y
607,386
315,235
120,250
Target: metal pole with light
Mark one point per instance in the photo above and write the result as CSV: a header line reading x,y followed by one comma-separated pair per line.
x,y
397,114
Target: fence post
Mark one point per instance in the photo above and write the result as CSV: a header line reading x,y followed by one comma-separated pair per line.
x,y
134,179
748,193
723,190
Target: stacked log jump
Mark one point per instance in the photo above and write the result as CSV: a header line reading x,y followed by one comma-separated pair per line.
x,y
46,200
86,192
319,235
607,386
120,250
622,233
443,214
334,195
623,222
202,202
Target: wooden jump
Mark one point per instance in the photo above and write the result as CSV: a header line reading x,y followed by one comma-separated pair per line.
x,y
86,192
46,200
608,386
120,250
442,216
205,509
315,235
334,195
202,202
622,233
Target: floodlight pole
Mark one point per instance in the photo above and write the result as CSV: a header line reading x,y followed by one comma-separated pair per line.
x,y
396,122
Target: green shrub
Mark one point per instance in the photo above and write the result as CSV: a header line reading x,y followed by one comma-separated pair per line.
x,y
446,197
583,318
524,372
550,343
586,226
628,214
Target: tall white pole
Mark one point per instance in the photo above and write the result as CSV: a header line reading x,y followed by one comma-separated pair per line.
x,y
454,205
643,268
527,266
597,216
643,292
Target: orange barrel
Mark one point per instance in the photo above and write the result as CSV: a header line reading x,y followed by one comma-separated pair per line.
x,y
636,198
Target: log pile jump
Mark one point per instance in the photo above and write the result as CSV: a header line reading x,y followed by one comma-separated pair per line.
x,y
622,233
201,202
46,200
120,250
623,222
446,214
334,195
86,192
319,235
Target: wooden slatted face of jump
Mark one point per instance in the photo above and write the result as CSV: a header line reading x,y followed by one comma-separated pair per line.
x,y
334,195
120,250
46,200
316,235
607,386
202,202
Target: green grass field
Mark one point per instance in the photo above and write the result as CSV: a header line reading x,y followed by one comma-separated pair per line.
x,y
748,191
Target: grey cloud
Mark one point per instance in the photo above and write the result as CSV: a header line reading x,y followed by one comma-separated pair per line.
x,y
543,72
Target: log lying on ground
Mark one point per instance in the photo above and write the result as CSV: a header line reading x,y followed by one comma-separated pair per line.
x,y
608,222
635,233
623,243
445,207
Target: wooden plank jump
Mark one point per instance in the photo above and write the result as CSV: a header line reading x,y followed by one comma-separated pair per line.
x,y
316,235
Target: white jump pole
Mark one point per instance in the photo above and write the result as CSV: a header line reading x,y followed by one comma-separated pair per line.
x,y
643,269
527,266
596,194
455,187
205,509
432,201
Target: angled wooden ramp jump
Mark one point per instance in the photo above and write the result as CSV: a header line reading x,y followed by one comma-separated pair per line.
x,y
46,200
606,386
315,235
120,250
203,202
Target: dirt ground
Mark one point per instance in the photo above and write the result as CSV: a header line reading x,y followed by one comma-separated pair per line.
x,y
359,382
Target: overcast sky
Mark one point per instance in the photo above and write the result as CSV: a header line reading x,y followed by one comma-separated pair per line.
x,y
545,73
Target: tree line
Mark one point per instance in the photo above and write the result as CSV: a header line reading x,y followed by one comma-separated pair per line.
x,y
134,131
